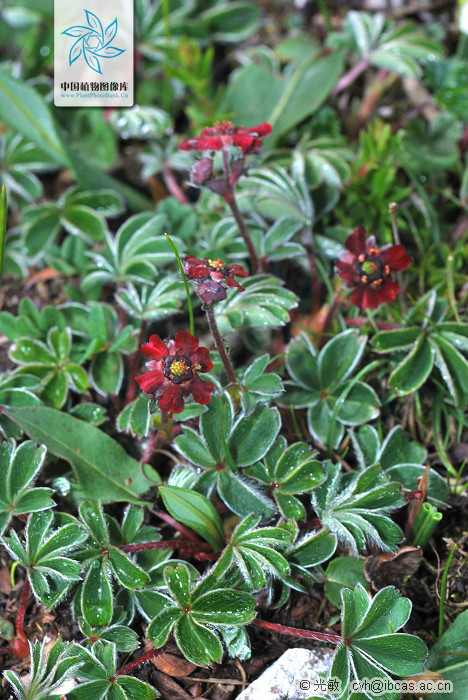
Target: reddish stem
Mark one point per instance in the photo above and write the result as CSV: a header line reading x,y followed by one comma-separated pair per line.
x,y
305,634
152,441
230,198
168,544
220,347
173,186
134,364
22,609
383,325
348,78
128,668
183,529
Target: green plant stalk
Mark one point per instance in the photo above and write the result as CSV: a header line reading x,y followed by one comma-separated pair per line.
x,y
426,522
443,588
184,279
3,223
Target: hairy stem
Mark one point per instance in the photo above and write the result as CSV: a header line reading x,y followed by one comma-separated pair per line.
x,y
22,609
167,544
173,186
220,347
305,634
348,78
230,198
128,668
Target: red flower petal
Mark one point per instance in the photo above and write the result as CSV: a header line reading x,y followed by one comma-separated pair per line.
x,y
346,272
151,381
395,257
389,291
356,297
172,401
371,298
201,390
155,348
243,141
210,143
188,145
202,357
356,242
231,282
186,343
238,271
261,130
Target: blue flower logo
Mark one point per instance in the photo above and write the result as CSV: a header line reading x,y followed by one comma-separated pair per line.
x,y
93,42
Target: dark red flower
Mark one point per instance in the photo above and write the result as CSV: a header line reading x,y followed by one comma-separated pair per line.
x,y
369,269
173,371
224,134
211,277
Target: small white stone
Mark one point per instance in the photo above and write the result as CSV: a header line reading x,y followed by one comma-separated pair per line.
x,y
292,676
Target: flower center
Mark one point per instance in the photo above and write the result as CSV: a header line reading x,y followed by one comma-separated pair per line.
x,y
225,127
371,269
217,264
178,369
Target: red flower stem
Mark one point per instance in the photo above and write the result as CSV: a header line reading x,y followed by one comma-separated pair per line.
x,y
220,347
332,311
173,186
305,634
22,609
134,363
128,668
230,198
150,447
314,283
381,325
183,529
190,547
348,78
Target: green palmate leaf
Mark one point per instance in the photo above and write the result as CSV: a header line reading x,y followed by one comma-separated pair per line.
x,y
264,304
372,646
100,463
19,466
449,657
189,610
259,94
48,671
135,417
288,471
196,511
357,507
255,552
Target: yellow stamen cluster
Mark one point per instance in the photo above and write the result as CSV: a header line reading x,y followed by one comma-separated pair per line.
x,y
178,368
217,264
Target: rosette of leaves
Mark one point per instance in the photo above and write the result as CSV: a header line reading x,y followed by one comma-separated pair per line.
x,y
372,646
45,554
255,552
379,42
16,390
400,458
356,507
103,559
194,614
79,213
287,472
48,670
101,680
324,384
152,302
133,254
419,349
19,466
35,323
51,363
224,444
264,303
